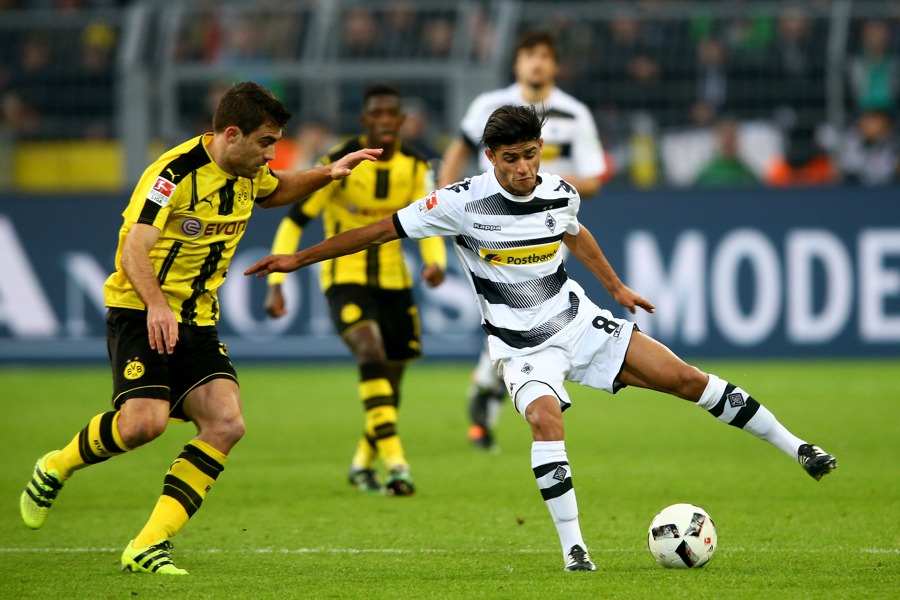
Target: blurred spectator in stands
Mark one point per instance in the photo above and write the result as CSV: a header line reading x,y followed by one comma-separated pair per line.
x,y
417,130
575,48
400,38
806,161
32,87
359,34
796,68
710,82
726,168
312,140
628,64
874,73
200,38
869,154
90,101
438,38
483,34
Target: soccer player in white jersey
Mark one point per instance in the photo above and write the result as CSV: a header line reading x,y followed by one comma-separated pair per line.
x,y
572,150
508,225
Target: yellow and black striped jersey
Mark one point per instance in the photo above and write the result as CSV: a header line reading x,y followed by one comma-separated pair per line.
x,y
201,213
373,191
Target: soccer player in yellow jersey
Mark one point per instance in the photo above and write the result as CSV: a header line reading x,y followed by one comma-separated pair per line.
x,y
185,218
369,293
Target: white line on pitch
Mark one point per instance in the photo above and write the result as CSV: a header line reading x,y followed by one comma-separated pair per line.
x,y
410,550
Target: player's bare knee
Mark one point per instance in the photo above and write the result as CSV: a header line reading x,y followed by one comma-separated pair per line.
x,y
545,419
137,431
691,382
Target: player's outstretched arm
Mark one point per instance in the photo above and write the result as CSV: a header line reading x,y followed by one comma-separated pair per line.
x,y
348,242
585,248
298,184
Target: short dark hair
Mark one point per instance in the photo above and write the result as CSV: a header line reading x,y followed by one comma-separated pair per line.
x,y
380,89
249,106
512,125
537,37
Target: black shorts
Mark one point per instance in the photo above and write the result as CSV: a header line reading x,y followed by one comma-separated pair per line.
x,y
393,310
141,372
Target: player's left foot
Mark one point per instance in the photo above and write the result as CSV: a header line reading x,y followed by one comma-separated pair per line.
x,y
400,482
152,559
816,461
39,494
365,480
578,560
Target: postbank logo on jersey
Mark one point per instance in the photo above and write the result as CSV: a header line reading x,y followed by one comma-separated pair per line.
x,y
161,191
529,255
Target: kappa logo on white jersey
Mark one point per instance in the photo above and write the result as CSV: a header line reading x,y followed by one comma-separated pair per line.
x,y
161,191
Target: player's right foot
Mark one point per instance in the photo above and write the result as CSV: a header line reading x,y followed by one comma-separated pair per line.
x,y
816,461
39,494
400,482
578,560
365,480
152,559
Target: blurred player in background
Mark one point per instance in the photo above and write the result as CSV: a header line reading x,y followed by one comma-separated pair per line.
x,y
182,226
572,149
509,225
370,293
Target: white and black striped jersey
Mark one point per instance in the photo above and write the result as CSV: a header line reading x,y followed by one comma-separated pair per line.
x,y
571,143
510,247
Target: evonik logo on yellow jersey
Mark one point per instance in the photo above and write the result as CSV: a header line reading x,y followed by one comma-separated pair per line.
x,y
528,255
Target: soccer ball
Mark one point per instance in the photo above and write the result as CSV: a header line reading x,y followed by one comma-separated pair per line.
x,y
682,536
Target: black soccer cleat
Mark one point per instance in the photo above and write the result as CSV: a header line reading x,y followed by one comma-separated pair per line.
x,y
816,461
578,560
365,480
400,482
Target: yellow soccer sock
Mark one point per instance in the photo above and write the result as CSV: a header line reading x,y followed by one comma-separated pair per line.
x,y
187,482
366,453
381,424
97,442
380,404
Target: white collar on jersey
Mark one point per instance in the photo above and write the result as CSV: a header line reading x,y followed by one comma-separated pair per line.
x,y
511,196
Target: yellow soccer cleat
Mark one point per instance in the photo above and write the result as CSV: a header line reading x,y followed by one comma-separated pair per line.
x,y
39,494
152,559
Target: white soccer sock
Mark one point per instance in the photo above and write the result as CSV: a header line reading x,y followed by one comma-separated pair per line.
x,y
736,407
554,478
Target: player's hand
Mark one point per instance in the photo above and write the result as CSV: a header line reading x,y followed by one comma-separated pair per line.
x,y
274,303
274,263
341,168
433,275
162,328
631,300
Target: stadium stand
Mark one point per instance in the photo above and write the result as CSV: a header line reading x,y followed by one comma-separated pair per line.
x,y
128,76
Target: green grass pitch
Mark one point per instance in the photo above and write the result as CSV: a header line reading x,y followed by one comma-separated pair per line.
x,y
282,523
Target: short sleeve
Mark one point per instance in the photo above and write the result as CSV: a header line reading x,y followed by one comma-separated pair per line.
x,y
266,182
437,214
587,150
152,201
572,226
